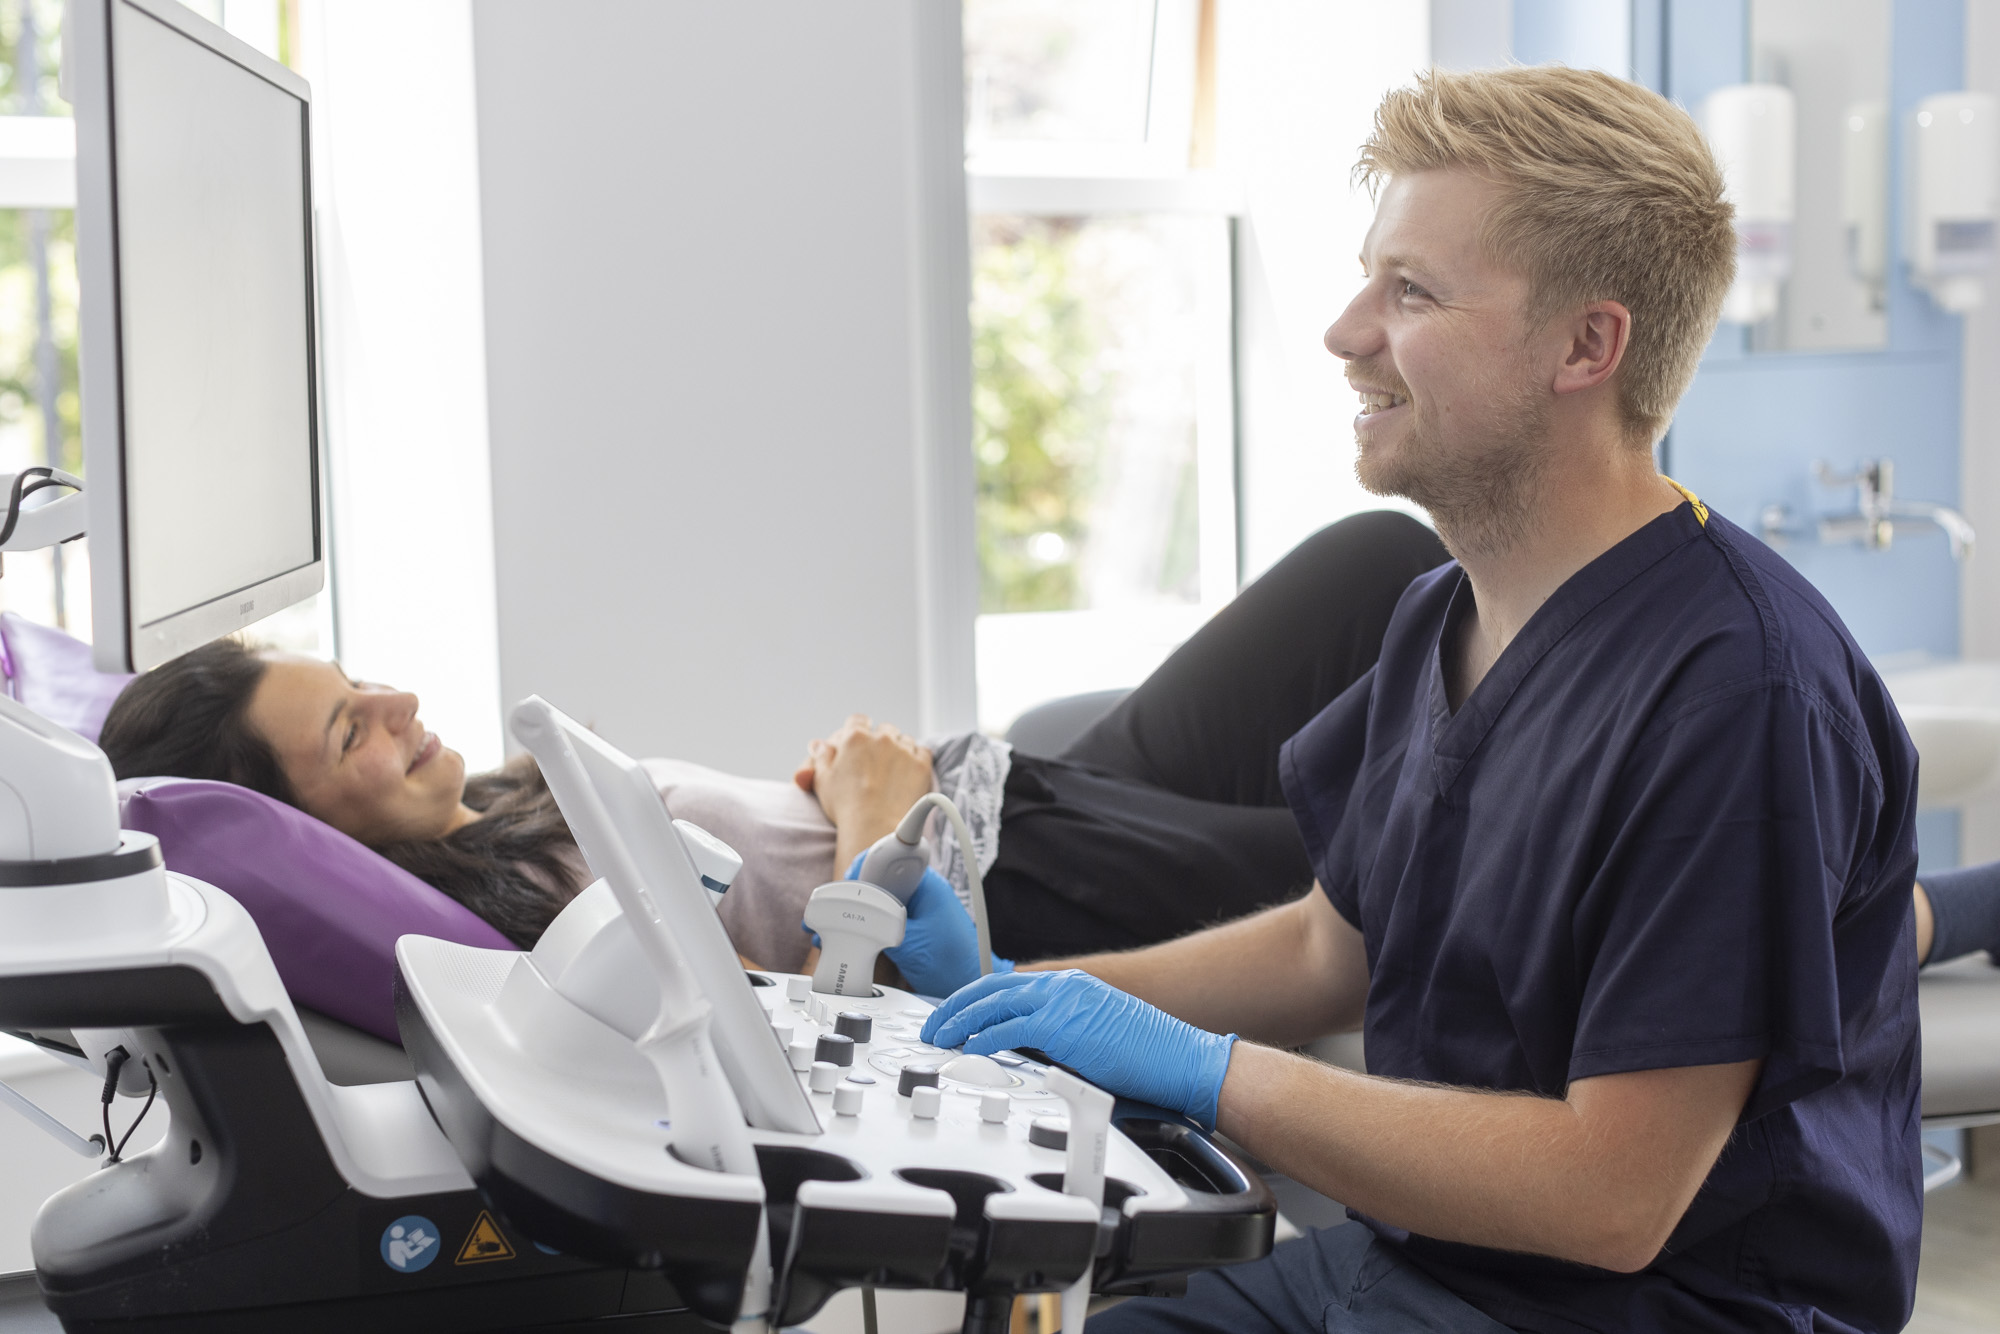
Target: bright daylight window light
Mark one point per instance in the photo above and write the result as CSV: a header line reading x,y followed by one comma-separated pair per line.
x,y
1103,316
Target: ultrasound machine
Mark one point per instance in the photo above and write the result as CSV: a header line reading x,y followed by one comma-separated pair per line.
x,y
653,1136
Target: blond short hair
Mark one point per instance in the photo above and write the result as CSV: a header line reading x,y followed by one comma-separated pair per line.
x,y
1611,195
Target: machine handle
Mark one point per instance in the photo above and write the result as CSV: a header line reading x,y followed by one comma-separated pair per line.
x,y
1215,1180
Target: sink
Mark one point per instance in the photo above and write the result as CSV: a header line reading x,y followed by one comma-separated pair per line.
x,y
1952,710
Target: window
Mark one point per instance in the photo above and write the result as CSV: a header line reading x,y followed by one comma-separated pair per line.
x,y
38,388
1102,314
40,420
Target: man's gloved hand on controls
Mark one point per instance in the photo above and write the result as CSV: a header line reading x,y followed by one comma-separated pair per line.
x,y
1114,1040
940,949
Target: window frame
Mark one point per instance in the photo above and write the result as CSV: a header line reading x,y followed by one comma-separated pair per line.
x,y
37,162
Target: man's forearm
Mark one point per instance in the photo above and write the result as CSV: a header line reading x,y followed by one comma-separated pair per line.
x,y
1318,975
1600,1179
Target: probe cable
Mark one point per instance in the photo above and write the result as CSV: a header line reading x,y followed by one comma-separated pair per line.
x,y
912,829
42,478
114,1064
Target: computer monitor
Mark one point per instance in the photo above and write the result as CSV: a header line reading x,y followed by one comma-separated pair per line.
x,y
197,348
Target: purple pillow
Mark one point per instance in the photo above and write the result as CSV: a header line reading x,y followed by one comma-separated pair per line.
x,y
52,674
330,910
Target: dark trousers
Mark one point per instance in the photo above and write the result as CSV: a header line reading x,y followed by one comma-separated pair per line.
x,y
1167,815
1337,1280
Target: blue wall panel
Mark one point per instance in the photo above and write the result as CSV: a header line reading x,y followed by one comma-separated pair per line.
x,y
1649,43
1749,432
1707,45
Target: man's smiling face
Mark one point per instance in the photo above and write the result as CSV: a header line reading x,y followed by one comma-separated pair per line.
x,y
1453,377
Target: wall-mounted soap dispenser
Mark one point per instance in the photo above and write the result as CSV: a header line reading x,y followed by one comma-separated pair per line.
x,y
1954,179
1864,195
1751,128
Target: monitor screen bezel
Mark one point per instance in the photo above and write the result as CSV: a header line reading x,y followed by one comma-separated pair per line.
x,y
121,644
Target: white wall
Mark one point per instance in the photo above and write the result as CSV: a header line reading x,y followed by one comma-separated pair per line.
x,y
398,191
727,352
1979,454
1298,84
1472,34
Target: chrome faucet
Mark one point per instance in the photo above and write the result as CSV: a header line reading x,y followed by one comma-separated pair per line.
x,y
1877,514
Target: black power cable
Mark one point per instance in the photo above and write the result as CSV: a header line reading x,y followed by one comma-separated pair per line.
x,y
114,1063
42,477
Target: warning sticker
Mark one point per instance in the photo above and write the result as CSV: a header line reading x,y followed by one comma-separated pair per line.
x,y
484,1243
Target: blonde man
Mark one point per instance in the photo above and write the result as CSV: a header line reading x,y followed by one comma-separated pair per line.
x,y
1614,845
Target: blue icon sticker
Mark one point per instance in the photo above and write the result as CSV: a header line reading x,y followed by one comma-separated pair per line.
x,y
410,1243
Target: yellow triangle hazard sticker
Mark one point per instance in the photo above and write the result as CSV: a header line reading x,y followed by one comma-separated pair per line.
x,y
484,1243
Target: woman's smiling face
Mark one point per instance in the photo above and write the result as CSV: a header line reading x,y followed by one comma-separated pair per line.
x,y
356,754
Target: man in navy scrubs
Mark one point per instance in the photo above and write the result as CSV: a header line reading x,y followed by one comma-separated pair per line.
x,y
1614,845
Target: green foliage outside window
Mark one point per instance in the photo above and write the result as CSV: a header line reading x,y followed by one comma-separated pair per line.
x,y
38,322
1039,407
17,98
20,383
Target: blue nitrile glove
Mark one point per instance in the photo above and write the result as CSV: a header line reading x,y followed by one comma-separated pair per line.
x,y
1114,1040
940,949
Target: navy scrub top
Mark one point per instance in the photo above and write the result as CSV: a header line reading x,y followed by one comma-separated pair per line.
x,y
1673,826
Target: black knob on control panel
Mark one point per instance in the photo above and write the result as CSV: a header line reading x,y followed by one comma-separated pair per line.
x,y
854,1024
915,1076
1050,1132
834,1047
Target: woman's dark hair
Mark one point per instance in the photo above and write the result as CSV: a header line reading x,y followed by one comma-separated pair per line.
x,y
189,718
516,866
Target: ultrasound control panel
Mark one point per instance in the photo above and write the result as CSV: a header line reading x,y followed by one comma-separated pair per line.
x,y
879,1160
931,1168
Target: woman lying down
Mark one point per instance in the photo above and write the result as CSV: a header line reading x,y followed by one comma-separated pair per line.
x,y
1164,817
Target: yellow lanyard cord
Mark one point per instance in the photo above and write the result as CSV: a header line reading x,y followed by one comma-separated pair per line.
x,y
1700,510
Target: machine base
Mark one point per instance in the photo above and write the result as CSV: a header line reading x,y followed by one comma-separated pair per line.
x,y
553,1304
643,1307
238,1220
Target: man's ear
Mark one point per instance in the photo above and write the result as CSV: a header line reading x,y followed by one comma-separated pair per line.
x,y
1597,338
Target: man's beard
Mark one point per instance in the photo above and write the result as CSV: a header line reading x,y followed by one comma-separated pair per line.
x,y
1481,494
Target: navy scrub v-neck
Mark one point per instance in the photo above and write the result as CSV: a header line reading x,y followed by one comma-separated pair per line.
x,y
1672,826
